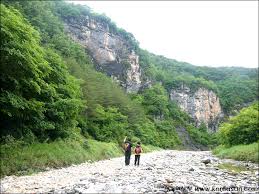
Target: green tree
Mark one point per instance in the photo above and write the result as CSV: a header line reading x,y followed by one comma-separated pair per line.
x,y
108,124
38,96
156,101
241,129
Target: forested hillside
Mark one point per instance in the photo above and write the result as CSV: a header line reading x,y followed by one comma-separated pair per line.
x,y
102,111
236,86
52,91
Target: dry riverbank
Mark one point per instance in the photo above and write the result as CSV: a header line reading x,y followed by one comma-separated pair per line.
x,y
159,172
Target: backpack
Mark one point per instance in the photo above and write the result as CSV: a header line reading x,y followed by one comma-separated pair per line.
x,y
138,150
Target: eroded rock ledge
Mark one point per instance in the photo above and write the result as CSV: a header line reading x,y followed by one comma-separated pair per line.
x,y
202,105
112,53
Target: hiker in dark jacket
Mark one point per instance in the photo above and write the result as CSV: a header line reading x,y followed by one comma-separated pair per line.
x,y
137,151
127,148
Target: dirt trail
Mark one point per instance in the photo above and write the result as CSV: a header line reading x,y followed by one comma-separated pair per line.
x,y
159,172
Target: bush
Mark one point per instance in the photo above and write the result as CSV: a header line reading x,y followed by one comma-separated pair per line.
x,y
241,129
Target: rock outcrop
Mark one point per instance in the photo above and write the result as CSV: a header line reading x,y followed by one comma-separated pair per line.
x,y
112,53
202,105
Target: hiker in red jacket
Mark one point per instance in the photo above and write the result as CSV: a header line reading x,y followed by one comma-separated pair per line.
x,y
137,151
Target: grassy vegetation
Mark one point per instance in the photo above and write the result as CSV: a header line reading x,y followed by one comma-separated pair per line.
x,y
20,159
239,152
232,168
149,148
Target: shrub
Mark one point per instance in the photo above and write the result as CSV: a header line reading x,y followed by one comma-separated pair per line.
x,y
241,129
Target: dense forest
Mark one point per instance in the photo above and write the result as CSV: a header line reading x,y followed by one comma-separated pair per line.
x,y
50,89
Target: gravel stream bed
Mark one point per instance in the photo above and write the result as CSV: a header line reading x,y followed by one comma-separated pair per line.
x,y
168,171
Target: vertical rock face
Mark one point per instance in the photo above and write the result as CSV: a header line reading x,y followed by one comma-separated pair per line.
x,y
111,52
203,105
114,55
133,73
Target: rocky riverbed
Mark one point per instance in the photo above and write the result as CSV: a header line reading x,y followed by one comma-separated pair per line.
x,y
159,172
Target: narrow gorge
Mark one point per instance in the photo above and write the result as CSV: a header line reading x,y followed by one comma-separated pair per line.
x,y
75,87
114,55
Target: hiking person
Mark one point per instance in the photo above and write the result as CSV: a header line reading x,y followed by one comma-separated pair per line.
x,y
127,148
137,151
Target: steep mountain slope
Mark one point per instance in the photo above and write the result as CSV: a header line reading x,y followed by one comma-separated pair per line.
x,y
107,114
117,54
112,53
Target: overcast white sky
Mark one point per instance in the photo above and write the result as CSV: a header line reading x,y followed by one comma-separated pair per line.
x,y
212,33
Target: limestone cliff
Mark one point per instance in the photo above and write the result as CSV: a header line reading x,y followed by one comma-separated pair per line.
x,y
202,105
112,53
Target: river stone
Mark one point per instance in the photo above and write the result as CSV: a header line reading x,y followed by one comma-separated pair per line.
x,y
148,168
168,185
169,181
206,161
